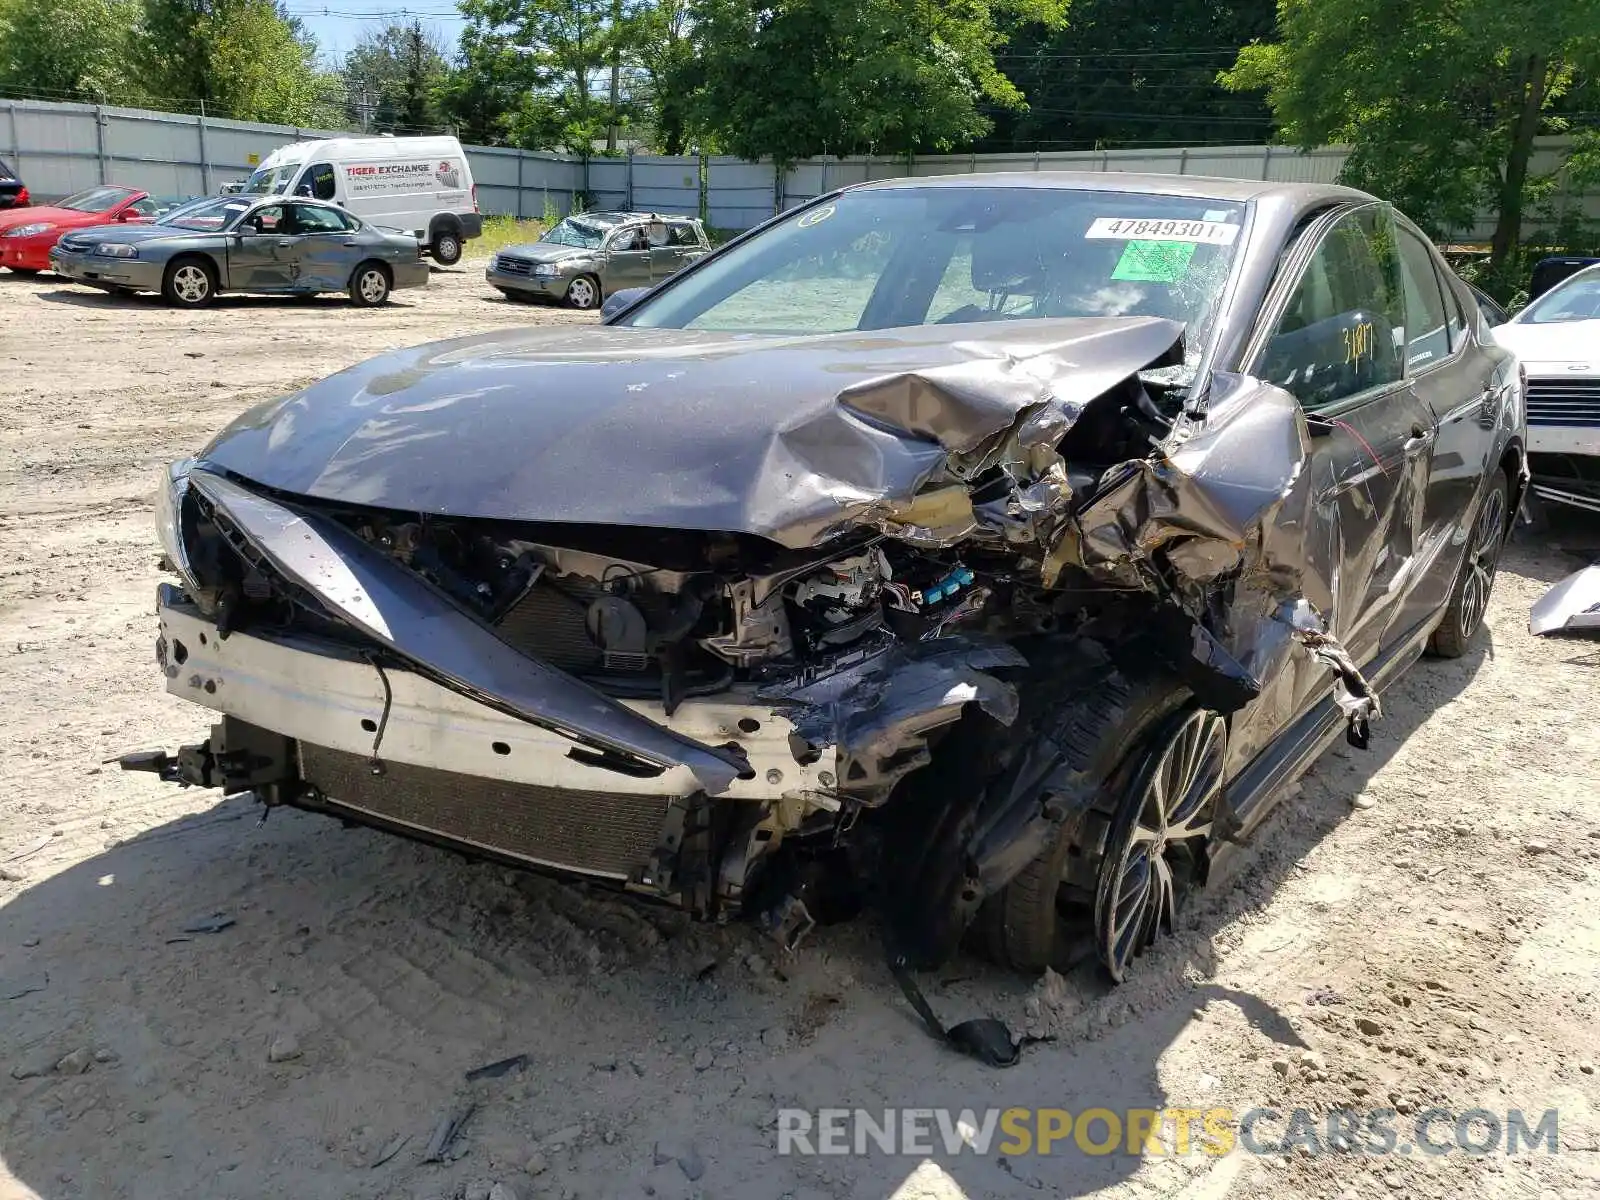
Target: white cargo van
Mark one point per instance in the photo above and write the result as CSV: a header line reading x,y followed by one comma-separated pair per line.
x,y
419,184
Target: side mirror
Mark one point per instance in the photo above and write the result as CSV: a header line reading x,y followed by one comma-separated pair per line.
x,y
618,301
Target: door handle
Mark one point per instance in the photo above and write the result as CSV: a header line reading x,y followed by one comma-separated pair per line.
x,y
1419,441
284,243
352,245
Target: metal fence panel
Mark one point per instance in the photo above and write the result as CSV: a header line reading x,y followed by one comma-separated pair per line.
x,y
666,184
63,148
739,194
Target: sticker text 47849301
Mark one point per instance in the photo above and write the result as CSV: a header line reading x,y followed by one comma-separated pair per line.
x,y
1216,233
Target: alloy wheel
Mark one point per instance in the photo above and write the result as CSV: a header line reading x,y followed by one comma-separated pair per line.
x,y
1483,559
582,293
372,285
191,284
1157,839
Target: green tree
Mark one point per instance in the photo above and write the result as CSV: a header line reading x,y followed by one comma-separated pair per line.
x,y
1440,102
568,48
794,78
665,47
1133,72
393,79
484,92
242,58
71,49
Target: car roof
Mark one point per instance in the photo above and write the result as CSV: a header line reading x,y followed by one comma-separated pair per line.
x,y
1199,187
620,217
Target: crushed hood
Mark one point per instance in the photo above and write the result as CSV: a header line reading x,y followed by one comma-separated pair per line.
x,y
781,437
548,252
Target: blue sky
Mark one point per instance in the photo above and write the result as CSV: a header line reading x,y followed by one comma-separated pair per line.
x,y
338,24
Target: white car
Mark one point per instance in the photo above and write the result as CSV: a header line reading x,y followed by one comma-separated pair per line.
x,y
1557,338
418,185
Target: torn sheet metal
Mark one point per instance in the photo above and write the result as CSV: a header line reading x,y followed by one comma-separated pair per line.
x,y
878,711
1228,498
1227,492
400,611
1573,605
785,437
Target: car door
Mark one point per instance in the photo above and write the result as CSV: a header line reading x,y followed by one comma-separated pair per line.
x,y
627,260
678,251
1461,386
1333,334
326,248
261,251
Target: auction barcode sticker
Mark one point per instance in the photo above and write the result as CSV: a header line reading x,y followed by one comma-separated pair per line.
x,y
1216,233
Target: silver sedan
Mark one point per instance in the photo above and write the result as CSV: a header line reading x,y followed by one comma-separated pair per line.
x,y
268,245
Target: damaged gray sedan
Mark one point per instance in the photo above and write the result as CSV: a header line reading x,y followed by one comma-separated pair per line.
x,y
986,549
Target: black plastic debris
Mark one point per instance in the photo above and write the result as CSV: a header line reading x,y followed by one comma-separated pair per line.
x,y
495,1070
215,923
984,1038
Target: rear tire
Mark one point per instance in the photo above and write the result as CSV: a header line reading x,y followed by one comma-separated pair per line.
x,y
369,285
446,247
1469,598
190,282
25,272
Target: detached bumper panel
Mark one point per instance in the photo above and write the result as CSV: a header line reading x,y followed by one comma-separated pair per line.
x,y
402,613
322,696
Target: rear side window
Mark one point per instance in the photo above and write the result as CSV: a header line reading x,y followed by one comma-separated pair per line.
x,y
6,172
311,218
1343,330
684,235
1427,335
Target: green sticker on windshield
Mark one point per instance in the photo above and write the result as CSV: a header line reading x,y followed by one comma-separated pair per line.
x,y
1154,262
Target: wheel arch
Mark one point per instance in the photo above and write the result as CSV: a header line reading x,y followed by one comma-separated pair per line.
x,y
995,798
218,274
388,271
445,222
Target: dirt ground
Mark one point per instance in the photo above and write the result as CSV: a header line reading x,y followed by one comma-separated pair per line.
x,y
1418,926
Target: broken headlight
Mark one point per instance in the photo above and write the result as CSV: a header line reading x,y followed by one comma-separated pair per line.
x,y
170,495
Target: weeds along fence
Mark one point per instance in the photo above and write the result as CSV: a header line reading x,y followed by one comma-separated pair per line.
x,y
60,148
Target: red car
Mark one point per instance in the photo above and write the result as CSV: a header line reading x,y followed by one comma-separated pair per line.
x,y
27,234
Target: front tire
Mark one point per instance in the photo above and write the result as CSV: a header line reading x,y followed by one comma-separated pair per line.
x,y
584,292
25,272
189,283
446,248
369,285
1469,598
1105,871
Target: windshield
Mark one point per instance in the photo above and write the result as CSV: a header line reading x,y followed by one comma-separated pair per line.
x,y
269,181
1574,299
947,255
572,232
206,217
96,199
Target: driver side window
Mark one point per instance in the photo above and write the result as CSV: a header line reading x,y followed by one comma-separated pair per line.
x,y
264,220
1343,331
323,185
